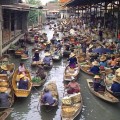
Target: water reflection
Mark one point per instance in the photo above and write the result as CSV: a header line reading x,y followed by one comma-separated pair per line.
x,y
93,108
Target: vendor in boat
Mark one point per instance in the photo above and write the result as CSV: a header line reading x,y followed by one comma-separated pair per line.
x,y
73,86
36,36
47,97
26,51
36,56
40,72
4,69
47,59
113,63
97,84
4,102
72,60
103,61
116,84
48,45
23,82
95,68
21,68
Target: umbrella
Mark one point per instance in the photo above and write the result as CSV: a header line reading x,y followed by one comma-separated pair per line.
x,y
101,50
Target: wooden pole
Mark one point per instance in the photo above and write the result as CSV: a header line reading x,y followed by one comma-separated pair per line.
x,y
1,31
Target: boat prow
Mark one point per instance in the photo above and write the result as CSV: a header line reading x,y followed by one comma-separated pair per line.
x,y
21,92
104,95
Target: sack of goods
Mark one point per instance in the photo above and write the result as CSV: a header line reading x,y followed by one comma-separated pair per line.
x,y
76,98
3,84
67,101
68,111
51,87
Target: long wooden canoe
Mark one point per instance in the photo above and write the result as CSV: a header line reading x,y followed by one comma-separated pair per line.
x,y
108,83
103,95
85,67
53,89
76,107
4,114
21,92
24,57
40,83
4,80
69,73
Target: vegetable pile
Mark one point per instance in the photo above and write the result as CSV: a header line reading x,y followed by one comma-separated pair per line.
x,y
36,79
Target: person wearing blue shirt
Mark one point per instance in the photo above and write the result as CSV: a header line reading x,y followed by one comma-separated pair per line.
x,y
47,59
47,97
95,69
103,61
72,60
115,86
36,56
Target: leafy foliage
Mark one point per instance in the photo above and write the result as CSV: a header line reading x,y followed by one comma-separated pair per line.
x,y
34,13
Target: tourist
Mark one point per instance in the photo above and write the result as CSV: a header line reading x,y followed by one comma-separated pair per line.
x,y
4,69
21,68
4,101
36,56
47,59
47,97
116,85
73,86
97,84
23,82
72,60
40,72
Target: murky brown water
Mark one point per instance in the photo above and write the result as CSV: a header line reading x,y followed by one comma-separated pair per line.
x,y
93,108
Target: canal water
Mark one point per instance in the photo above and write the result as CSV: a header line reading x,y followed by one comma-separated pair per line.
x,y
29,109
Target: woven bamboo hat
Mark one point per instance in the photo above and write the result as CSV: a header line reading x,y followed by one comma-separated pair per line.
x,y
102,58
95,63
72,55
96,76
47,54
3,89
118,70
21,76
4,67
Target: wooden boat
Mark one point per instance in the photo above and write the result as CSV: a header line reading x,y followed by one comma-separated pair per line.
x,y
71,111
48,66
4,82
53,89
57,57
105,95
40,83
36,63
19,52
85,67
24,57
10,68
4,114
71,72
66,54
21,92
108,83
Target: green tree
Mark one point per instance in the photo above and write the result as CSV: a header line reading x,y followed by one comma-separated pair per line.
x,y
34,13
